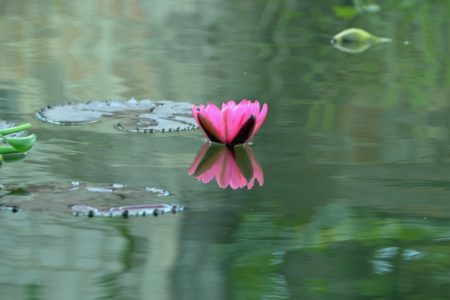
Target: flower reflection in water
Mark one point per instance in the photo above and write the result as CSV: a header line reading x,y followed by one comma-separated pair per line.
x,y
234,167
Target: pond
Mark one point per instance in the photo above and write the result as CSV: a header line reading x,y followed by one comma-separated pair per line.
x,y
350,194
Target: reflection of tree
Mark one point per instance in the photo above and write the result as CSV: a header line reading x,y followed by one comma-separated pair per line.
x,y
201,270
147,258
340,253
123,284
258,253
356,242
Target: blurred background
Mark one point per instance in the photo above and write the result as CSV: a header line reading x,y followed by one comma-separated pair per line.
x,y
355,150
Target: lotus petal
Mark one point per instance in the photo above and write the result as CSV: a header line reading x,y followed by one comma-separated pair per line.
x,y
233,123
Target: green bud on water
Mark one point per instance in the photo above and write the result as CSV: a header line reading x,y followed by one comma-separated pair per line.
x,y
355,40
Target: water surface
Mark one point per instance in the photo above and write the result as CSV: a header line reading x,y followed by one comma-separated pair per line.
x,y
355,151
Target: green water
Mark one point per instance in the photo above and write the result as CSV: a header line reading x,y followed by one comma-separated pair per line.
x,y
355,151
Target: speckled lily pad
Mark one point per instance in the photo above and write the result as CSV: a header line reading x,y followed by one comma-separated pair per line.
x,y
140,210
89,200
142,116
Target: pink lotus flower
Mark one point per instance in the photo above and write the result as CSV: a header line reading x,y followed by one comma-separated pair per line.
x,y
233,167
233,124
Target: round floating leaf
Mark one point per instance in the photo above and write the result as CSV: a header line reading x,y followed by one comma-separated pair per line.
x,y
142,116
127,210
106,199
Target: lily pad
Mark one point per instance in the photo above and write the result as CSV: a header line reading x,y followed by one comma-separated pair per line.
x,y
141,116
126,211
82,199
